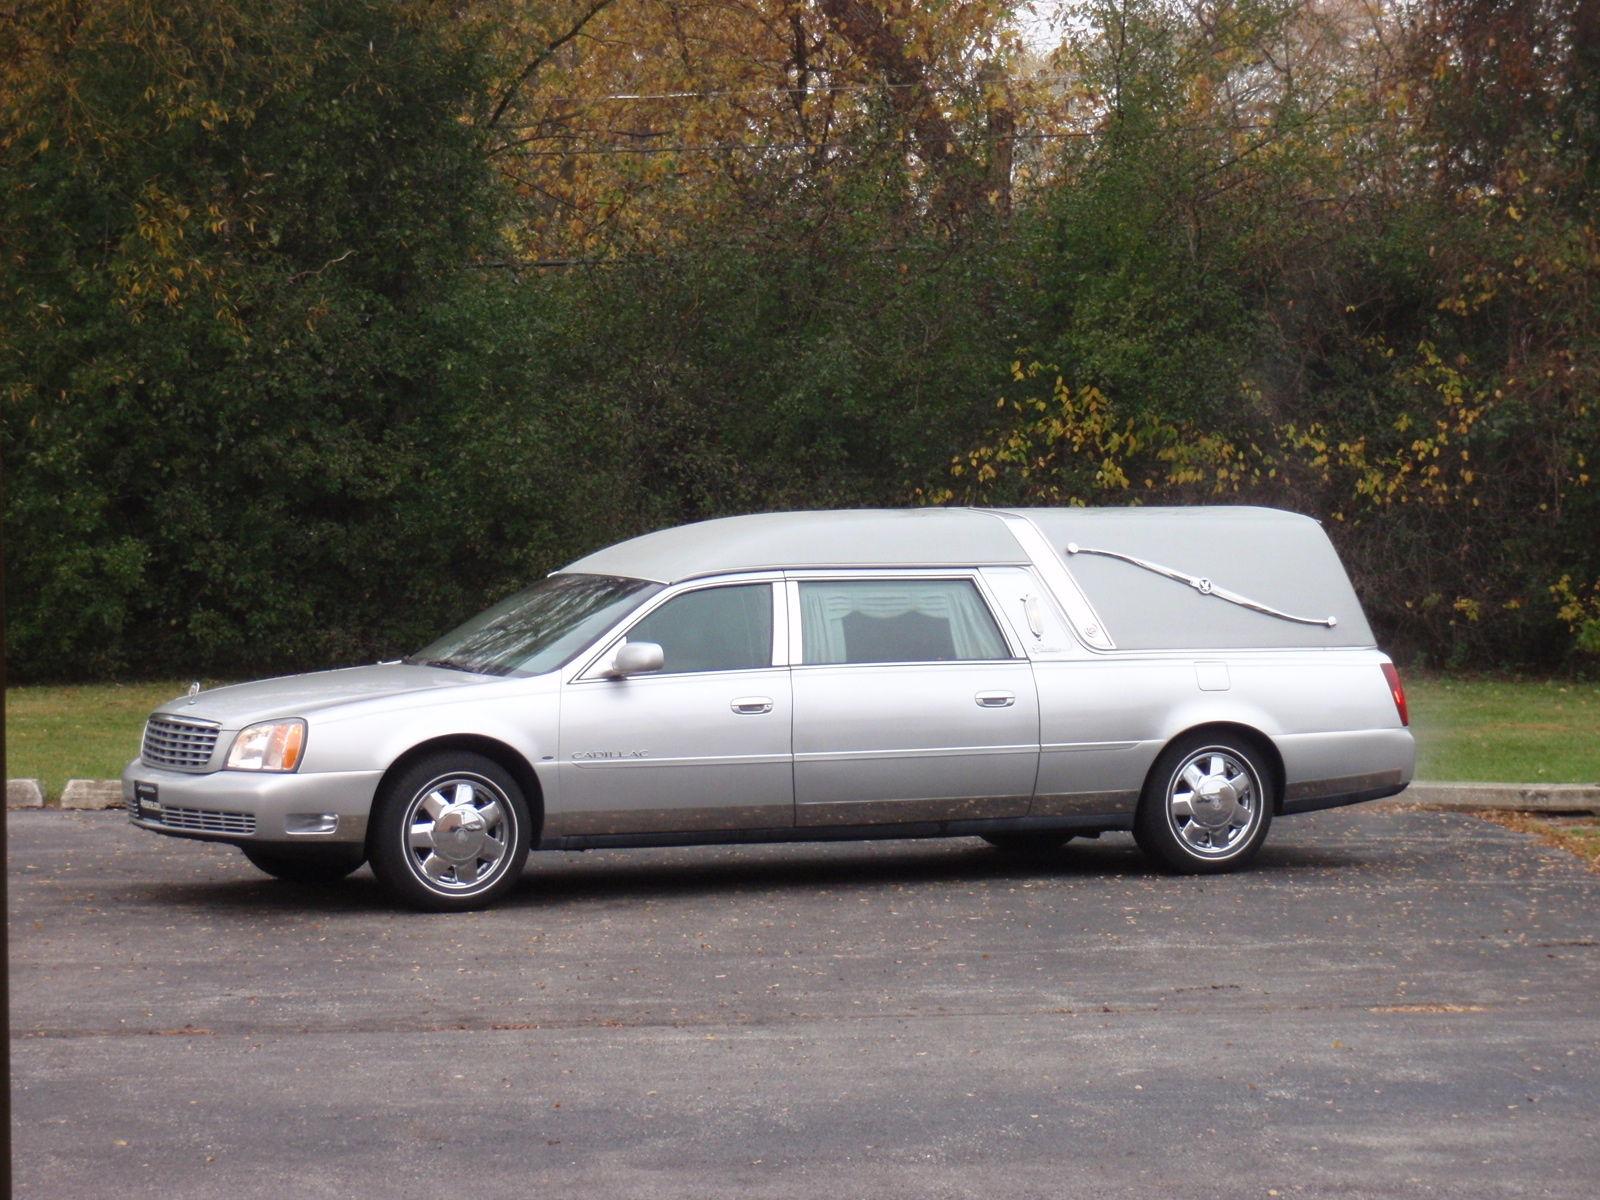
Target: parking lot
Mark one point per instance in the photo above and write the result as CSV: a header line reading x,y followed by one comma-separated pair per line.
x,y
1392,1003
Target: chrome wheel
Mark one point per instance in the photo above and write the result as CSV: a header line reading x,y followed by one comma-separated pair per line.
x,y
460,830
1214,802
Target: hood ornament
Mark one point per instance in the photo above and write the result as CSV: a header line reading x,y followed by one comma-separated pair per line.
x,y
194,690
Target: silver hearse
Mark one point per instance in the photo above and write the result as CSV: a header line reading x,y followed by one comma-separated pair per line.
x,y
1024,676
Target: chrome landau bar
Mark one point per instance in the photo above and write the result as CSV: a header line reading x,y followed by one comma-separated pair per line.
x,y
1203,585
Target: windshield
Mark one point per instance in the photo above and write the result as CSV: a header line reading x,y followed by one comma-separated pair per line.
x,y
539,629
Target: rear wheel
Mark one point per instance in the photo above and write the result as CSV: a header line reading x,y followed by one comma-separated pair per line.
x,y
1027,843
1206,806
304,867
450,832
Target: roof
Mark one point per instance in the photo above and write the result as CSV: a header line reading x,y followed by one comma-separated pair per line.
x,y
914,537
1277,559
1274,558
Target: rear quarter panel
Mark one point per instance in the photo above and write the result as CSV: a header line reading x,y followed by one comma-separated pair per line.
x,y
1104,720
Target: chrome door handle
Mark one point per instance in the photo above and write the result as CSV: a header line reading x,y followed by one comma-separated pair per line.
x,y
995,699
751,705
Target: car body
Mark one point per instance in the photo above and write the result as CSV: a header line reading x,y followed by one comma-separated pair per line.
x,y
1022,675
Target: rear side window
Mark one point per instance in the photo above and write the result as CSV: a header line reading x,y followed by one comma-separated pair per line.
x,y
713,629
896,620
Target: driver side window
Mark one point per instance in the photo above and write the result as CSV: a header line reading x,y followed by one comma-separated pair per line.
x,y
712,629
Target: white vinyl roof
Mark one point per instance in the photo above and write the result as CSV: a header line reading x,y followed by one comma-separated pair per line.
x,y
1275,558
913,537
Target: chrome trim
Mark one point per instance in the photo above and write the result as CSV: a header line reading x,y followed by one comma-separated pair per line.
x,y
1058,747
201,820
823,813
1071,804
916,752
1071,599
644,759
179,743
1204,586
1316,789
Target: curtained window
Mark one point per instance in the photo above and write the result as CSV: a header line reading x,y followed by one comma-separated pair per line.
x,y
897,620
713,629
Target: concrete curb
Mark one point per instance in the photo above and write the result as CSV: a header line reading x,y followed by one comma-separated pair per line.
x,y
91,794
1504,797
24,793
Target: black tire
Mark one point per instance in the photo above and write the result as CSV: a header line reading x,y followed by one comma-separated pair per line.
x,y
1027,843
475,842
1215,839
322,865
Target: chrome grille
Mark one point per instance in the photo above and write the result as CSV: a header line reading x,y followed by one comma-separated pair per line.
x,y
205,820
179,743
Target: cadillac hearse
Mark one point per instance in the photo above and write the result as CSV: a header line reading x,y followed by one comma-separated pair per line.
x,y
1023,676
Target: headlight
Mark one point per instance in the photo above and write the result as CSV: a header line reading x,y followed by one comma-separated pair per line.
x,y
269,746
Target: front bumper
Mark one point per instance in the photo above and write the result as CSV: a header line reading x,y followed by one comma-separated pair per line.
x,y
317,808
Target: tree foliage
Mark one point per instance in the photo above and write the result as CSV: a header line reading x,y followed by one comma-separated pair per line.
x,y
326,323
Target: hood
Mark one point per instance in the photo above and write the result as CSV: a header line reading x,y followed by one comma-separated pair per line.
x,y
302,695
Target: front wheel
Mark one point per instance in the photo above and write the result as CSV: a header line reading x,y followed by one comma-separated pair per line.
x,y
450,833
1206,806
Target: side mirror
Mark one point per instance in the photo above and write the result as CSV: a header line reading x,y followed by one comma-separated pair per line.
x,y
636,658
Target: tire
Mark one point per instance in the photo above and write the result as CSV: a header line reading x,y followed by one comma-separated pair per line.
x,y
315,867
1027,843
450,833
1206,806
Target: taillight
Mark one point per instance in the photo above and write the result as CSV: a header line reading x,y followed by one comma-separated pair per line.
x,y
1398,691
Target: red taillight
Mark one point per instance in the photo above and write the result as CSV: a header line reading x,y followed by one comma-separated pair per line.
x,y
1398,691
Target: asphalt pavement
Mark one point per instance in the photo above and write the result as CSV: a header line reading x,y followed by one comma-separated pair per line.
x,y
1392,1003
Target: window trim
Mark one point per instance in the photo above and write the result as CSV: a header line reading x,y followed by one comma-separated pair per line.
x,y
593,668
791,589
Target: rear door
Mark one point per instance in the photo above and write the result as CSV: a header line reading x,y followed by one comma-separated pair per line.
x,y
911,702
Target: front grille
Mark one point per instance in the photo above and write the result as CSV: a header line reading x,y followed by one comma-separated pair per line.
x,y
205,820
180,743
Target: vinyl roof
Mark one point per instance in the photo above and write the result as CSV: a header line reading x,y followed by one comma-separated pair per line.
x,y
913,537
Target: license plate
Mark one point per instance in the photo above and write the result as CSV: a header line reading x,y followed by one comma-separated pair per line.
x,y
146,797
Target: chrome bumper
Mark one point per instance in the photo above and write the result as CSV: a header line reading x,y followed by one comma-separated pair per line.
x,y
327,808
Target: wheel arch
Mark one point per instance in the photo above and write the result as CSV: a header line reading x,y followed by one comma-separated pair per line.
x,y
1250,735
506,757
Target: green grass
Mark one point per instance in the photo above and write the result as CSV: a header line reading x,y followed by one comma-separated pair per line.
x,y
54,734
1511,731
1505,730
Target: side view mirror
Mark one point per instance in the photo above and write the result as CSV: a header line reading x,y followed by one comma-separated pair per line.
x,y
636,658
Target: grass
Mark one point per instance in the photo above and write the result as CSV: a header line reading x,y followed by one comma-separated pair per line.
x,y
1505,730
1468,728
87,731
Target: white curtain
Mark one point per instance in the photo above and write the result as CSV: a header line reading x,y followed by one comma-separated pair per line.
x,y
824,606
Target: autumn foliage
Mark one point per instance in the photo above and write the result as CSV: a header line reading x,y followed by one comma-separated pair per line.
x,y
327,322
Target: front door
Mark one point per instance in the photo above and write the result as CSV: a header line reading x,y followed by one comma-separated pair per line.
x,y
908,705
702,744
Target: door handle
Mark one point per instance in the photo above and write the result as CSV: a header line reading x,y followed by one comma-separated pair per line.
x,y
751,705
995,699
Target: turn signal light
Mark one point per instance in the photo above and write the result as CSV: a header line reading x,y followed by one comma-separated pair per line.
x,y
1398,691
